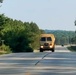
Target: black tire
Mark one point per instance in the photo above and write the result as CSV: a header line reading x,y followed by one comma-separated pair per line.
x,y
41,50
53,50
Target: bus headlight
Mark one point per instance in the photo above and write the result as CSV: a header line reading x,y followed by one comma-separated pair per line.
x,y
50,46
41,46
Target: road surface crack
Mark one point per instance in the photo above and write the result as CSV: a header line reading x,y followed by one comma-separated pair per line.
x,y
41,58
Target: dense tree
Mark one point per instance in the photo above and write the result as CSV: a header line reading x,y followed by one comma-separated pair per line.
x,y
34,32
2,22
21,37
42,31
14,34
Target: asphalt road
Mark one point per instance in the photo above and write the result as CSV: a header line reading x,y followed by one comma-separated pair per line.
x,y
60,62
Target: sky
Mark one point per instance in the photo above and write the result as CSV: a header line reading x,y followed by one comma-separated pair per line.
x,y
47,14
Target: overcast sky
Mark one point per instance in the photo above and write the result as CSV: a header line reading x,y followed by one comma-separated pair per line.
x,y
47,14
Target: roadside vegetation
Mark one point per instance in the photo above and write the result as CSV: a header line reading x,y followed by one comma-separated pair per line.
x,y
19,36
4,49
72,48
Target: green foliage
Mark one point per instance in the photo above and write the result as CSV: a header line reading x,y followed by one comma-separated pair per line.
x,y
5,49
33,33
21,37
72,48
34,28
42,31
3,20
73,40
29,49
15,36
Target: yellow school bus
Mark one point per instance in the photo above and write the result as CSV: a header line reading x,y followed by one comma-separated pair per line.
x,y
47,42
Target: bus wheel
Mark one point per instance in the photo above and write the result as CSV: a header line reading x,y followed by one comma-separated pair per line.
x,y
41,50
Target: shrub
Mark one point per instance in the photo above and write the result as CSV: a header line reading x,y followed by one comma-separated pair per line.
x,y
29,49
72,48
5,49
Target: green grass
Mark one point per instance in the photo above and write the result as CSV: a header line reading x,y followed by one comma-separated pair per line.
x,y
72,48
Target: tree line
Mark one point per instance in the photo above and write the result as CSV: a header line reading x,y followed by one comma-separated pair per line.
x,y
63,37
